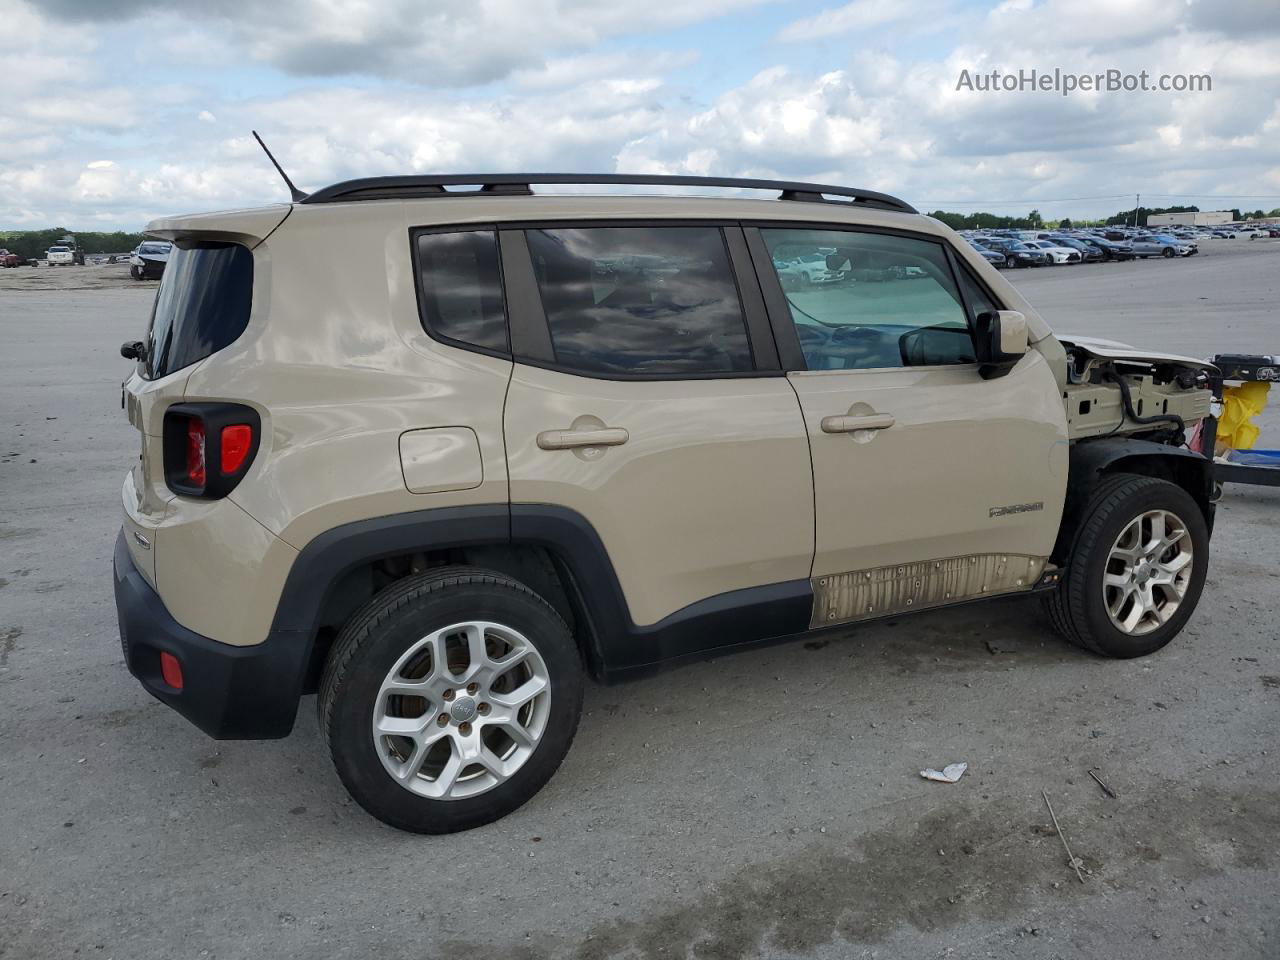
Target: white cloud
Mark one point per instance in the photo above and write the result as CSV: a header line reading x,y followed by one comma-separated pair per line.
x,y
860,15
444,43
885,116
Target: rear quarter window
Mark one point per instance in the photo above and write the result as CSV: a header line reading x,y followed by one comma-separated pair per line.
x,y
460,296
202,306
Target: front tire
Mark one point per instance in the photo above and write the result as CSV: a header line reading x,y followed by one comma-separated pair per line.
x,y
450,699
1168,253
1137,568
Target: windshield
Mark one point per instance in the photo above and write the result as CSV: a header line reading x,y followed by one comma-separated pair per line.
x,y
202,305
154,248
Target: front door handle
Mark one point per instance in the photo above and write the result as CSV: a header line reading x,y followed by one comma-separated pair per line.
x,y
569,439
848,424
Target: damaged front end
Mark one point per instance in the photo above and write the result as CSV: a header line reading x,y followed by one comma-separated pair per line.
x,y
1116,390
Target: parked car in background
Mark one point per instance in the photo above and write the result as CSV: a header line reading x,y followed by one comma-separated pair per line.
x,y
77,255
805,270
991,256
1057,254
1018,254
1088,253
1114,250
1160,245
60,256
8,259
149,259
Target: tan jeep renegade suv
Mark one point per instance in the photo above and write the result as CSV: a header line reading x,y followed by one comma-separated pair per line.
x,y
508,440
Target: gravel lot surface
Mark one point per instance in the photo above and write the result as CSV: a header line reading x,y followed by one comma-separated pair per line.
x,y
765,804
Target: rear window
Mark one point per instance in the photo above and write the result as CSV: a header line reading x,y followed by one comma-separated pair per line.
x,y
202,306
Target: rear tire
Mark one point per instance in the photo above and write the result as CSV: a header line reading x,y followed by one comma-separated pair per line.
x,y
446,636
1117,568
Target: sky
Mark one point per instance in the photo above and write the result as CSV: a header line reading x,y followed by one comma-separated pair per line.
x,y
113,112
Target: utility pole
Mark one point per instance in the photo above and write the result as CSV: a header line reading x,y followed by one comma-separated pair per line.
x,y
1137,199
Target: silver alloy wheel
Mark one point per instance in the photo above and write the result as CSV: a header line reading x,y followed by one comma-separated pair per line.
x,y
1148,572
462,710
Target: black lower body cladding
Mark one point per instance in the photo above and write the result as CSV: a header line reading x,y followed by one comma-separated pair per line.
x,y
229,692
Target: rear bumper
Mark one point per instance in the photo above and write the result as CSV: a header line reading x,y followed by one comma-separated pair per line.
x,y
229,692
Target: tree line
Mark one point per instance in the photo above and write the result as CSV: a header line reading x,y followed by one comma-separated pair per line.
x,y
32,244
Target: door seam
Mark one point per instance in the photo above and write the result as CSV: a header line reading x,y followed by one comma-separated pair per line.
x,y
813,479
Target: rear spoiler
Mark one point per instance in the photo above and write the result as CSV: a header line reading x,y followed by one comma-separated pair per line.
x,y
249,227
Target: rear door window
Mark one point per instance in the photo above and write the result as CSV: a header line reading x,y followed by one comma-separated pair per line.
x,y
202,306
641,301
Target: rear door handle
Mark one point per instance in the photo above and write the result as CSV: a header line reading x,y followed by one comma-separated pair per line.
x,y
569,439
848,424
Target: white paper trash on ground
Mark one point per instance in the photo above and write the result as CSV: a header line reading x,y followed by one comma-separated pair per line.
x,y
948,774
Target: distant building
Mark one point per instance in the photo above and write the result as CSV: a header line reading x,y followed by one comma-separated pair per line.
x,y
1203,218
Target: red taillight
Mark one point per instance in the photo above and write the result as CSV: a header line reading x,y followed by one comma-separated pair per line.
x,y
195,452
237,441
171,670
209,447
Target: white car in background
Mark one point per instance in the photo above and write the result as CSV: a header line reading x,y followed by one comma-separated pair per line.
x,y
60,256
805,270
1059,254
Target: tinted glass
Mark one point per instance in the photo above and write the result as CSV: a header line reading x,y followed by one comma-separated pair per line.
x,y
641,300
202,306
879,300
460,288
976,298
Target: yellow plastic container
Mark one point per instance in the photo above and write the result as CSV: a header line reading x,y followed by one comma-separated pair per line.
x,y
1239,406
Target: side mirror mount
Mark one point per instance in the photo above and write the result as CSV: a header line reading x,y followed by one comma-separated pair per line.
x,y
1002,341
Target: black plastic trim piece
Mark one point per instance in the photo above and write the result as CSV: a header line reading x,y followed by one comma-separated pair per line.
x,y
530,336
231,693
323,561
617,644
384,188
621,647
790,353
764,348
1090,460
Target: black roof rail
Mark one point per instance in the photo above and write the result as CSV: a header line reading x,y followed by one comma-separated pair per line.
x,y
520,184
